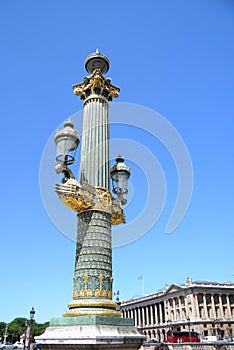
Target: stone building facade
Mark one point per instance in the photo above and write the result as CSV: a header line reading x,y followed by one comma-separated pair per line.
x,y
204,307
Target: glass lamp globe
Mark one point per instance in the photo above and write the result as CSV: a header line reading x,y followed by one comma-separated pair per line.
x,y
67,141
120,174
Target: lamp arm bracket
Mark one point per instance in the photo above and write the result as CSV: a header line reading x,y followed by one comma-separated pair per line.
x,y
68,173
86,197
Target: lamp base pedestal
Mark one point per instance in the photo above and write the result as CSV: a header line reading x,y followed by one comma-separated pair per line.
x,y
91,332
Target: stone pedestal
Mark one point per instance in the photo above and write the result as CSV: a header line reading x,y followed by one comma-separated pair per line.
x,y
91,332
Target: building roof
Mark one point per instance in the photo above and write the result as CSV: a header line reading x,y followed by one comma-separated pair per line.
x,y
174,288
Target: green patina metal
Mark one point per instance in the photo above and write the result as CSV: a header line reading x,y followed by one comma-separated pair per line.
x,y
93,265
91,320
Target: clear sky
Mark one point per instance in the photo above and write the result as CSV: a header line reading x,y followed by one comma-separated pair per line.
x,y
172,56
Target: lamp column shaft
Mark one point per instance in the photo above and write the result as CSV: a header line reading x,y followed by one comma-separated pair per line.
x,y
92,293
93,265
94,167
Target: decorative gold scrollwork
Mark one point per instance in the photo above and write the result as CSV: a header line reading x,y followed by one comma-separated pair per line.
x,y
94,81
86,197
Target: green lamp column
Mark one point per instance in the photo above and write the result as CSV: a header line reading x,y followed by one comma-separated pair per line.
x,y
92,293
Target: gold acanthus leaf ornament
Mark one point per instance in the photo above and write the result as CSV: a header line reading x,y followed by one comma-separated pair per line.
x,y
96,80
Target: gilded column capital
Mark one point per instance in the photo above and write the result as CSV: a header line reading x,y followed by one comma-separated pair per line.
x,y
96,85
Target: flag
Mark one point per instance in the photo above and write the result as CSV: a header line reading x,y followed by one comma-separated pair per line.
x,y
140,277
116,292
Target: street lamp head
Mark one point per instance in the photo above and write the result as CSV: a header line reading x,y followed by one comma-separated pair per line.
x,y
67,141
97,60
120,174
32,313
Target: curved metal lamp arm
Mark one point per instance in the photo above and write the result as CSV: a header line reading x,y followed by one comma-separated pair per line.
x,y
68,173
61,168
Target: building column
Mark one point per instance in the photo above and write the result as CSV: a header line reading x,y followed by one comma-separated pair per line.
x,y
174,309
156,313
221,306
205,306
139,316
165,310
143,315
147,315
151,315
160,313
168,309
197,314
135,317
180,309
213,305
229,307
183,307
187,307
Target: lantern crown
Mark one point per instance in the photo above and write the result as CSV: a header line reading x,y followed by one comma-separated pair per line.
x,y
120,174
67,141
97,60
32,313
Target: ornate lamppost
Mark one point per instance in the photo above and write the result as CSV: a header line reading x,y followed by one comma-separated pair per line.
x,y
28,328
92,310
90,197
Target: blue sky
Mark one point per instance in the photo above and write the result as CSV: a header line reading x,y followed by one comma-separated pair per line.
x,y
172,56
